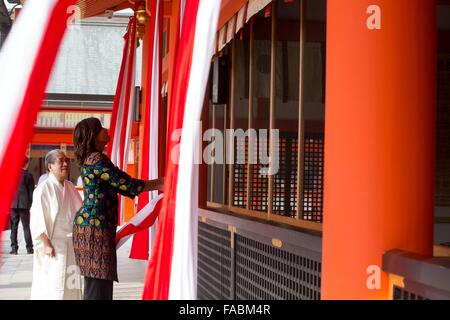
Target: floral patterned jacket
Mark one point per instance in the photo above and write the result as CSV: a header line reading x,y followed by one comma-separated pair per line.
x,y
95,222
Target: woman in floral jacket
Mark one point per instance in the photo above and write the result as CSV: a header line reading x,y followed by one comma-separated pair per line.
x,y
95,223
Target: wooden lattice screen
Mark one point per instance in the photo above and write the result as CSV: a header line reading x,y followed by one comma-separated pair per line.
x,y
240,175
313,177
259,186
285,181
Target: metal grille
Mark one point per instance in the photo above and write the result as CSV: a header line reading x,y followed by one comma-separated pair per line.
x,y
313,177
240,175
269,273
214,263
401,294
259,183
285,181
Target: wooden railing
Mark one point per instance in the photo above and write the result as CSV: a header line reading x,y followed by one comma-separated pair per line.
x,y
416,277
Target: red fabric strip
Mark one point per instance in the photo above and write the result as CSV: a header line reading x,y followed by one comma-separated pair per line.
x,y
144,225
117,96
157,280
11,165
140,244
132,43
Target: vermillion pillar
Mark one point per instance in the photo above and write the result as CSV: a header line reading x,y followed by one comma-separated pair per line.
x,y
146,45
379,140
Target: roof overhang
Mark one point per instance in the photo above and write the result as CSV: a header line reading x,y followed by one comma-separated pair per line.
x,y
90,8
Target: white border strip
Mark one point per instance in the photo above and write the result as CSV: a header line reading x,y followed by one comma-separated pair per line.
x,y
115,152
154,117
183,277
17,59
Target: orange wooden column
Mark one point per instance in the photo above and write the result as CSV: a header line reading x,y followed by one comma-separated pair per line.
x,y
145,87
379,140
173,34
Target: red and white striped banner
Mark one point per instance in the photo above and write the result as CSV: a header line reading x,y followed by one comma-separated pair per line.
x,y
26,62
172,270
123,107
140,222
149,205
142,241
115,130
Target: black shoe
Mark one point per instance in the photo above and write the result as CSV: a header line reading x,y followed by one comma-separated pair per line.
x,y
30,251
13,252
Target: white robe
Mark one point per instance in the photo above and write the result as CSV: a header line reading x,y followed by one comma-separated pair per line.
x,y
52,213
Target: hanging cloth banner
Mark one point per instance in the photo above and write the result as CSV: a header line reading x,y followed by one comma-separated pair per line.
x,y
26,61
143,240
172,269
123,108
255,6
143,220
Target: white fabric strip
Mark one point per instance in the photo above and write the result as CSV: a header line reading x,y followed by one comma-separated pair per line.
x,y
17,59
183,277
240,18
154,117
115,152
131,108
231,26
222,37
182,7
154,106
254,6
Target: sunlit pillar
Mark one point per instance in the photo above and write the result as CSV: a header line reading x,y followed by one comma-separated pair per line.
x,y
379,140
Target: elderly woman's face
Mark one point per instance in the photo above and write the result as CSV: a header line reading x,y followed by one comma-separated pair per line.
x,y
102,138
61,167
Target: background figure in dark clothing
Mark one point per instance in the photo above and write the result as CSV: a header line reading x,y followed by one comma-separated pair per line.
x,y
20,210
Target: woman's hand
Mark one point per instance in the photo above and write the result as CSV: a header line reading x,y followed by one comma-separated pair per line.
x,y
160,185
156,184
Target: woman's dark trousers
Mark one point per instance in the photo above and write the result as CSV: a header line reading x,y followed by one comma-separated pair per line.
x,y
97,289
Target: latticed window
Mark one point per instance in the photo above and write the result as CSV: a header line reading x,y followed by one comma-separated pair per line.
x,y
268,91
285,181
313,177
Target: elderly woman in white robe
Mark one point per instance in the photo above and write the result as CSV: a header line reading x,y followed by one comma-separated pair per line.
x,y
55,201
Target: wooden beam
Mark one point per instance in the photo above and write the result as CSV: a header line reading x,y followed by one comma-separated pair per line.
x,y
53,138
224,150
232,125
308,225
213,160
441,251
214,205
203,167
250,109
301,114
273,63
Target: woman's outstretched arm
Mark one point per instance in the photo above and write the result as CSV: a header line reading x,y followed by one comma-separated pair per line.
x,y
156,184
